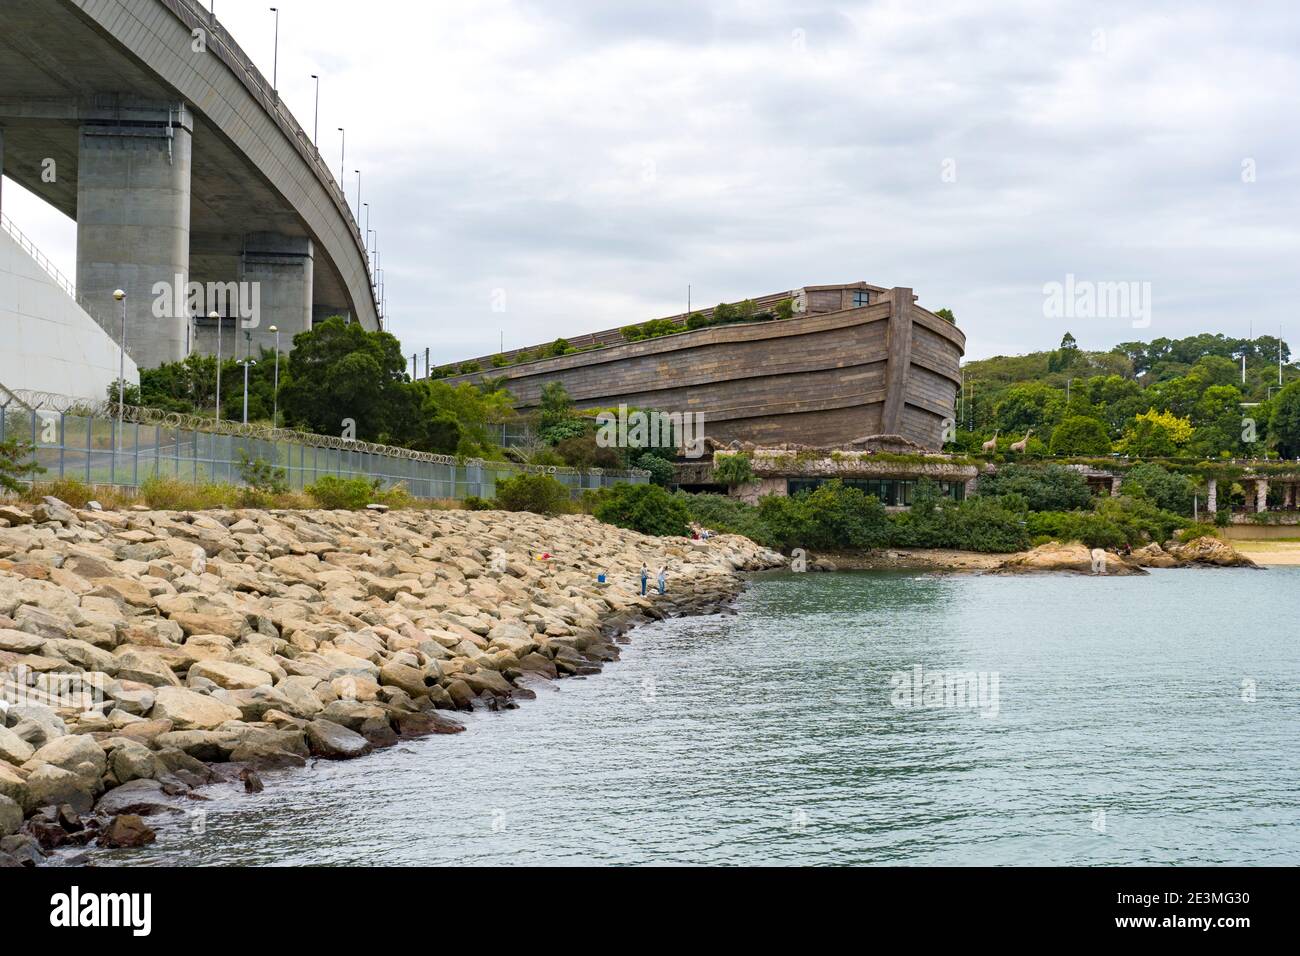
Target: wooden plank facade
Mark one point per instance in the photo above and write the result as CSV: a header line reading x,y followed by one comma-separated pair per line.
x,y
829,375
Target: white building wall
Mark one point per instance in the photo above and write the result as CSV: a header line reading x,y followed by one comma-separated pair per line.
x,y
47,341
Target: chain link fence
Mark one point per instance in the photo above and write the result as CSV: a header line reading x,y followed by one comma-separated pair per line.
x,y
88,442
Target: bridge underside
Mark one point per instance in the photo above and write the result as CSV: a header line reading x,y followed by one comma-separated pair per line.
x,y
158,188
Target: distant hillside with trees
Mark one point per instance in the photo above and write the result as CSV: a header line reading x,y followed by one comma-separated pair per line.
x,y
1171,398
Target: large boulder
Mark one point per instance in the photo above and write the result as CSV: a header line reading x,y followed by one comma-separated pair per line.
x,y
50,786
127,830
334,741
13,748
190,711
145,668
229,675
75,753
1056,557
1212,552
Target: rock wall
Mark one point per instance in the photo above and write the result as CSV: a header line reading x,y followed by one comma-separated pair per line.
x,y
253,639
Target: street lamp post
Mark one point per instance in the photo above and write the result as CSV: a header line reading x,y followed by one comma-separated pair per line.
x,y
275,62
275,400
315,126
246,363
343,152
217,318
120,296
358,172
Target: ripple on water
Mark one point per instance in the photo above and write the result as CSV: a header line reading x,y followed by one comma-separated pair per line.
x,y
769,737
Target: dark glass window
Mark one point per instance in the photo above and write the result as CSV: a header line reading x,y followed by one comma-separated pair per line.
x,y
861,297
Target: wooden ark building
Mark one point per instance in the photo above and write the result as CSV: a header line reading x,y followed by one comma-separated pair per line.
x,y
853,360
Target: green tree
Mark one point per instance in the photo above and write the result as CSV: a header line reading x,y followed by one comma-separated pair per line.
x,y
340,371
1080,435
1285,424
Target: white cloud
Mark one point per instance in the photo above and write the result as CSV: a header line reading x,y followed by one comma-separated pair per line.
x,y
592,159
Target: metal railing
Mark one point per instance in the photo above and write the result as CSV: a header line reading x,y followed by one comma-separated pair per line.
x,y
89,441
193,14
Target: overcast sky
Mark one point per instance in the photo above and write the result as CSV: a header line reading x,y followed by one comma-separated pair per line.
x,y
583,161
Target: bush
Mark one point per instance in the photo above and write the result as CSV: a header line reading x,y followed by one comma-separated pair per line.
x,y
1047,488
733,470
261,475
540,494
661,470
1167,490
829,517
71,491
171,494
1080,435
1198,530
16,464
648,509
988,524
727,515
346,494
475,503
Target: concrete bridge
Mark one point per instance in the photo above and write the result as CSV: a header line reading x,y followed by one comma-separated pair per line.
x,y
145,122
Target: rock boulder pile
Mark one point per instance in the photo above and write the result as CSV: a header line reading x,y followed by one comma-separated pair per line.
x,y
144,653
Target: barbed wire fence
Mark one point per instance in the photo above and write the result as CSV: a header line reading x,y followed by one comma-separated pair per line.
x,y
104,443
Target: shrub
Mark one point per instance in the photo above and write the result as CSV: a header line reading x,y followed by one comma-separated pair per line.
x,y
733,470
661,470
71,491
261,475
648,509
989,524
475,503
1198,530
172,494
16,464
727,515
1047,488
831,517
1167,490
1080,435
540,494
346,494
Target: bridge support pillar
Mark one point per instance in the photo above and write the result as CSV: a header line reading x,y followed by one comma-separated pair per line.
x,y
133,225
278,270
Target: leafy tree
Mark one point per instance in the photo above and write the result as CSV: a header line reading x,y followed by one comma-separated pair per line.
x,y
1285,424
340,371
555,405
1156,435
661,470
733,470
1080,435
946,315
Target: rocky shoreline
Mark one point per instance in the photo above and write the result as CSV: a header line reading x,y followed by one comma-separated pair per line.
x,y
149,654
1054,557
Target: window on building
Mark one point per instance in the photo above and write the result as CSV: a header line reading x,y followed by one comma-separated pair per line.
x,y
861,297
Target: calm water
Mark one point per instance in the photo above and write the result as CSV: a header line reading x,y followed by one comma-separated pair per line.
x,y
770,737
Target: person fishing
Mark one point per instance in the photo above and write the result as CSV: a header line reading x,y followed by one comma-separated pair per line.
x,y
663,580
645,577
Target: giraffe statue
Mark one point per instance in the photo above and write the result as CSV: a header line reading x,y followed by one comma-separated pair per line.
x,y
1019,447
991,444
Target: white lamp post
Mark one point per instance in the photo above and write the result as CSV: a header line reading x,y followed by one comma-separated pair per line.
x,y
120,296
216,318
246,363
275,401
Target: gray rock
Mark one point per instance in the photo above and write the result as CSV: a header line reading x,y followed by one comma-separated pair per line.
x,y
13,748
334,741
11,817
50,786
76,754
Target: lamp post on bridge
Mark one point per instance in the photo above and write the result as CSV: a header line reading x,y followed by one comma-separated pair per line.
x,y
275,62
315,125
358,172
343,152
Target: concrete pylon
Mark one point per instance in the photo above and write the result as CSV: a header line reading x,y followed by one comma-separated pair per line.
x,y
133,224
278,272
